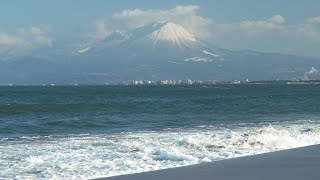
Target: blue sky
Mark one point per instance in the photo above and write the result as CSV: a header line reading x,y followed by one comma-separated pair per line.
x,y
286,26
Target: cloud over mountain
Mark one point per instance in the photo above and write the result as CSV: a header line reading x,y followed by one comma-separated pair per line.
x,y
187,16
155,51
246,33
36,35
101,29
25,38
314,20
9,40
274,23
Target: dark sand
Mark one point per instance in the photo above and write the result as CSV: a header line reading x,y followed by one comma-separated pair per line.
x,y
302,163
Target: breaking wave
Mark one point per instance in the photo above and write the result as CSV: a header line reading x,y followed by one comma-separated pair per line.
x,y
102,155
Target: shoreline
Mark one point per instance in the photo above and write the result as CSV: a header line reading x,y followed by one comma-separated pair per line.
x,y
293,164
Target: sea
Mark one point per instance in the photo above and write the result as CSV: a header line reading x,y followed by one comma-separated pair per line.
x,y
86,132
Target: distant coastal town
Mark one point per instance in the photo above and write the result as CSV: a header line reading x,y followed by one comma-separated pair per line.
x,y
178,82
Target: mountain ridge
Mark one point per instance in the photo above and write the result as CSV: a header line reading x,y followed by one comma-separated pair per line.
x,y
154,35
153,52
174,33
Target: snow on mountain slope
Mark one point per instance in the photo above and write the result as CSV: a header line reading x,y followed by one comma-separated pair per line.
x,y
83,50
172,33
22,49
209,53
114,39
116,36
197,59
164,40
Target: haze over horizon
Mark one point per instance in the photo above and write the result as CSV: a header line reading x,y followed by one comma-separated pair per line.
x,y
95,89
267,27
99,42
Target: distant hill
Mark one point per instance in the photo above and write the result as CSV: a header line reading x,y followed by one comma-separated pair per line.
x,y
153,52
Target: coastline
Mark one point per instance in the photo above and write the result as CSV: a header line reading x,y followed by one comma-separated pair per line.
x,y
293,164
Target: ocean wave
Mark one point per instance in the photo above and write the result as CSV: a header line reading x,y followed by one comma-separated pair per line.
x,y
93,156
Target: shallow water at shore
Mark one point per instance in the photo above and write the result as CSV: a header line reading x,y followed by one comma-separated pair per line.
x,y
99,131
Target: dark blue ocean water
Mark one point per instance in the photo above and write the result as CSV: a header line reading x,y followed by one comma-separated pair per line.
x,y
107,109
86,132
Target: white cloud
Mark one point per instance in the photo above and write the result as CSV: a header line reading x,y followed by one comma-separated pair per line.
x,y
37,36
314,20
9,40
259,34
43,40
101,29
32,37
307,30
272,34
36,30
277,19
187,16
274,26
252,27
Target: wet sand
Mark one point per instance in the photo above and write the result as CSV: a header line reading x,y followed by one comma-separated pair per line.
x,y
294,164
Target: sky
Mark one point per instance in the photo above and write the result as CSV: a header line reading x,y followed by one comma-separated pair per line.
x,y
286,26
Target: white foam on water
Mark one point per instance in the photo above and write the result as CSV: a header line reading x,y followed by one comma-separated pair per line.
x,y
93,156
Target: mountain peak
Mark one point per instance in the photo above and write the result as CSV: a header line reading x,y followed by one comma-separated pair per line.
x,y
116,35
172,33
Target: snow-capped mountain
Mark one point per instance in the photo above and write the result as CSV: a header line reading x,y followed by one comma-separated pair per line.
x,y
152,52
170,34
116,36
153,40
112,40
22,49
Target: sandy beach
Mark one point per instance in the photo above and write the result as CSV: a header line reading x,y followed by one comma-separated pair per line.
x,y
294,164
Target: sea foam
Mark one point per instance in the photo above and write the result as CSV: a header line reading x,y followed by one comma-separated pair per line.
x,y
102,155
